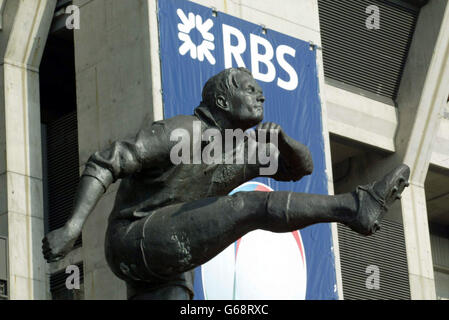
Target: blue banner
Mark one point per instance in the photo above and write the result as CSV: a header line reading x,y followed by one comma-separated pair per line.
x,y
197,43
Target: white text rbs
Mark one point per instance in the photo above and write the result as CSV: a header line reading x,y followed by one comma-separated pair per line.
x,y
258,57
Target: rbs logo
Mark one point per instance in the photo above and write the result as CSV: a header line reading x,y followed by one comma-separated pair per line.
x,y
204,49
234,46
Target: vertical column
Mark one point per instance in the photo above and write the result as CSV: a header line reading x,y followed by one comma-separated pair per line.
x,y
23,163
421,97
8,13
3,190
156,84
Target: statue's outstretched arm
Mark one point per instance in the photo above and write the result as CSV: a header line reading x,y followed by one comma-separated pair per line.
x,y
121,159
60,241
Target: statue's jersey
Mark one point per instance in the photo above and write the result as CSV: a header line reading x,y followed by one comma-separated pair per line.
x,y
151,180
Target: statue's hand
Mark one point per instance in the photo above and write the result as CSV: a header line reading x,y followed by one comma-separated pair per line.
x,y
296,156
57,244
266,127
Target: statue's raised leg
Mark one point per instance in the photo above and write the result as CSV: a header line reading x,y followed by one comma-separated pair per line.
x,y
177,238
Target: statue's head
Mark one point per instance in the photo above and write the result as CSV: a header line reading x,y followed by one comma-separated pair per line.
x,y
236,95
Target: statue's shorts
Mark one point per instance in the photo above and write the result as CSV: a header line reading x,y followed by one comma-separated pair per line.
x,y
127,259
161,248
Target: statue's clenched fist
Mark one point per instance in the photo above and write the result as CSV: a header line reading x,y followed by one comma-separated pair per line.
x,y
57,244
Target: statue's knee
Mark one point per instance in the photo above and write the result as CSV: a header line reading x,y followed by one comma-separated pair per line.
x,y
252,203
237,200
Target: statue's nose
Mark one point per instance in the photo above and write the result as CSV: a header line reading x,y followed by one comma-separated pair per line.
x,y
261,99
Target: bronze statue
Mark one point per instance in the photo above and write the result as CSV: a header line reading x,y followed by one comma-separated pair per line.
x,y
169,218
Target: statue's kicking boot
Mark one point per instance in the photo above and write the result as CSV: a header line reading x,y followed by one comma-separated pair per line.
x,y
375,198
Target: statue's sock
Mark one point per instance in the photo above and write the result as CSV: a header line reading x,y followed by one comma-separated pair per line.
x,y
289,211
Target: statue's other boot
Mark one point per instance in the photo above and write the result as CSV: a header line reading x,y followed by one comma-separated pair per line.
x,y
375,198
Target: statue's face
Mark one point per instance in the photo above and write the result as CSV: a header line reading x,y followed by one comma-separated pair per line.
x,y
246,104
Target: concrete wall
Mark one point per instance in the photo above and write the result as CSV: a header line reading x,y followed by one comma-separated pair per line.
x,y
440,150
8,15
114,98
361,119
22,39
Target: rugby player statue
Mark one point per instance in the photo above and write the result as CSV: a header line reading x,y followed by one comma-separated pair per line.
x,y
170,216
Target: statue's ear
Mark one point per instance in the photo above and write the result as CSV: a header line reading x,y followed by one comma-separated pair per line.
x,y
222,102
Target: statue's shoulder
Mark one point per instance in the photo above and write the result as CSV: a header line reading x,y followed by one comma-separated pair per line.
x,y
177,122
165,127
